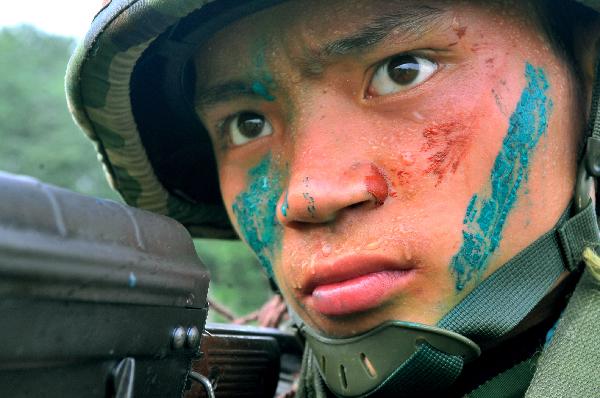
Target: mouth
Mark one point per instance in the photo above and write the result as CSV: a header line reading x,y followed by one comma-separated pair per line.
x,y
355,284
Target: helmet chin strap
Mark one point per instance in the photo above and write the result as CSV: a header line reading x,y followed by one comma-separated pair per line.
x,y
589,167
405,359
358,365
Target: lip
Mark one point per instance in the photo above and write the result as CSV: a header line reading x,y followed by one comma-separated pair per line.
x,y
355,284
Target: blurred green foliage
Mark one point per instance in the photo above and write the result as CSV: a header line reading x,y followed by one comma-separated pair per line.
x,y
37,134
237,279
38,138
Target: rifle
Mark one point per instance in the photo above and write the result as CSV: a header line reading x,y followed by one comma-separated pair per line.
x,y
99,299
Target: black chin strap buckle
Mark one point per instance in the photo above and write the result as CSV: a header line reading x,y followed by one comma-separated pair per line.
x,y
589,168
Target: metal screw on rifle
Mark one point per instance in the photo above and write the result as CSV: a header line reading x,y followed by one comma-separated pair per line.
x,y
178,338
193,337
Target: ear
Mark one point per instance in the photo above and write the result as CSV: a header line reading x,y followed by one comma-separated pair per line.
x,y
586,48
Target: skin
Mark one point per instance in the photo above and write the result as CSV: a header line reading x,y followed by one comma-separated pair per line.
x,y
356,173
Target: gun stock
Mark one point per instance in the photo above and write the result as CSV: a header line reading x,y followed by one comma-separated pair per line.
x,y
245,361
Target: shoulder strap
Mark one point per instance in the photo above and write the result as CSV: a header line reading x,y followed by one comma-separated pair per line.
x,y
511,384
570,366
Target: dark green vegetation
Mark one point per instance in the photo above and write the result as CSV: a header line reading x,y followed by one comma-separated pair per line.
x,y
237,279
38,138
37,135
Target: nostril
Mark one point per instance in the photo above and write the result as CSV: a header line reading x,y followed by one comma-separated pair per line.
x,y
356,205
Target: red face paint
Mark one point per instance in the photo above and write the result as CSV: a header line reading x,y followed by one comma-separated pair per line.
x,y
448,143
403,177
377,186
461,32
401,180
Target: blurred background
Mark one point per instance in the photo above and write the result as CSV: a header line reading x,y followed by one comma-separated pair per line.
x,y
38,137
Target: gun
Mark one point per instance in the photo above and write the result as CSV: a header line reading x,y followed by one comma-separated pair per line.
x,y
99,299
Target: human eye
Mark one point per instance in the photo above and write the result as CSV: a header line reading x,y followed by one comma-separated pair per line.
x,y
400,73
245,127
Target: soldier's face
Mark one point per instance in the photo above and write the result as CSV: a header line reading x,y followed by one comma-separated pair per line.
x,y
382,158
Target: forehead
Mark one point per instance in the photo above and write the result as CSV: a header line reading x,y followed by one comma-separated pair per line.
x,y
307,30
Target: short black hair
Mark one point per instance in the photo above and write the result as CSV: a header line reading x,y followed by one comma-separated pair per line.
x,y
557,19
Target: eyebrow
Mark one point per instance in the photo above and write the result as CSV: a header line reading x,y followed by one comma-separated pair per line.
x,y
410,21
213,95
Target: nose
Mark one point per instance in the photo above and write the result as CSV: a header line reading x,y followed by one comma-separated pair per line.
x,y
319,195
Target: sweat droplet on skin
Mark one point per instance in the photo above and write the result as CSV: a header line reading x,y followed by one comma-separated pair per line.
x,y
313,260
418,116
407,253
373,245
407,158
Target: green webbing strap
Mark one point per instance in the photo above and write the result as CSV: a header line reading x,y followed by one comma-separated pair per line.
x,y
496,306
510,384
577,234
437,368
570,365
595,111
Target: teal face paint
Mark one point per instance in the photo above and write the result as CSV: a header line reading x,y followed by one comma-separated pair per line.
x,y
487,213
261,90
263,80
285,206
256,212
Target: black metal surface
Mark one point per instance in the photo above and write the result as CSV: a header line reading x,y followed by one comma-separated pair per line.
x,y
35,332
90,294
91,379
57,244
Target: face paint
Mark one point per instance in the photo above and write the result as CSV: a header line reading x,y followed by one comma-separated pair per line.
x,y
260,89
449,142
311,207
263,79
255,210
285,206
487,213
460,30
499,103
377,186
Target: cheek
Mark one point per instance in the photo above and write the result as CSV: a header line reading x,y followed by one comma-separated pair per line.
x,y
252,203
232,183
452,138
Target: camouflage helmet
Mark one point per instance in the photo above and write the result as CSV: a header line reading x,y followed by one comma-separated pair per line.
x,y
130,85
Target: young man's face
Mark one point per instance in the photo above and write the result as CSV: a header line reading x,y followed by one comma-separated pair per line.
x,y
383,157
